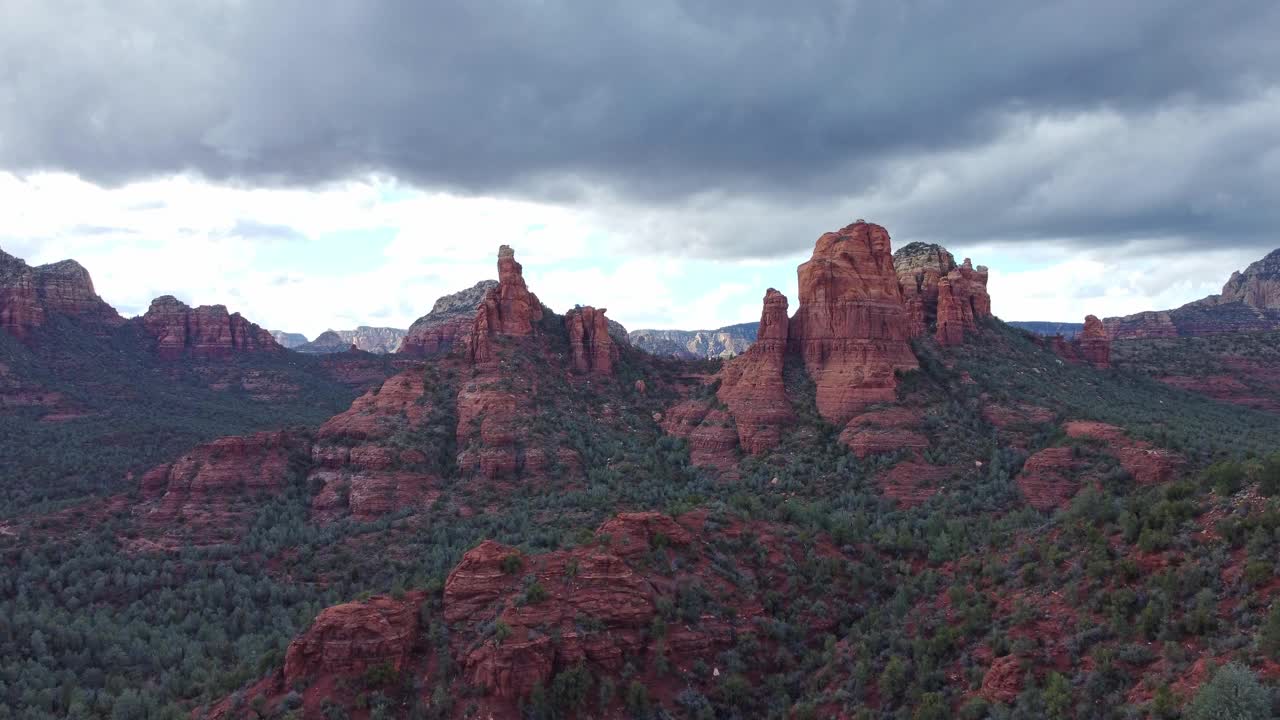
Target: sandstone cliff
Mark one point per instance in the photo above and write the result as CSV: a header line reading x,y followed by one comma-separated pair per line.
x,y
852,328
208,331
29,296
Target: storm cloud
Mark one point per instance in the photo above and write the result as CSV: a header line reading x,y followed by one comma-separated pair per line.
x,y
711,129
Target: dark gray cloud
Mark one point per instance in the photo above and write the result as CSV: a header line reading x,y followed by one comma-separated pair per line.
x,y
1086,122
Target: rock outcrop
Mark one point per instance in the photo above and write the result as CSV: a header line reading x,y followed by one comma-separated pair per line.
x,y
962,301
1258,286
937,291
1095,344
640,601
507,310
212,491
920,268
354,638
377,340
452,317
591,346
852,328
752,386
1091,347
29,296
1145,463
208,331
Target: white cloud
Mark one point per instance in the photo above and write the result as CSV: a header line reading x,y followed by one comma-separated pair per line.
x,y
373,251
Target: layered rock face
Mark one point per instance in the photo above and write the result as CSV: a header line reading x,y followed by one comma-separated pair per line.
x,y
752,385
937,291
1249,302
359,471
920,268
377,340
1258,286
352,638
962,301
493,434
208,331
450,319
851,331
30,295
210,492
591,346
852,328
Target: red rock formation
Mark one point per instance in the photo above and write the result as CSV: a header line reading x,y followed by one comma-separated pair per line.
x,y
962,301
632,534
30,295
1147,464
712,436
1142,326
852,328
884,431
397,405
204,332
508,309
912,482
591,348
211,491
515,621
1050,478
450,320
1095,344
920,268
1003,682
1091,347
751,385
350,639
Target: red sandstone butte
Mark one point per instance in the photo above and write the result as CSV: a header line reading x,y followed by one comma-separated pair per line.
x,y
751,385
851,328
208,331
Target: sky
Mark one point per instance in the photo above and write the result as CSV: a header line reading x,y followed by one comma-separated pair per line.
x,y
333,163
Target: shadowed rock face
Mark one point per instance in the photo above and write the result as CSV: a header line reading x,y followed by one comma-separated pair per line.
x,y
208,331
852,328
450,320
29,296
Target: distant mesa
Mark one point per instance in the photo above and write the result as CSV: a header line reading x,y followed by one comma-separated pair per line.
x,y
1249,302
376,340
289,340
